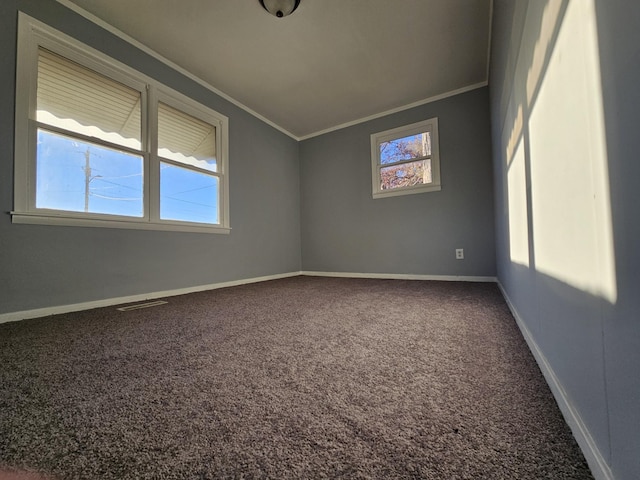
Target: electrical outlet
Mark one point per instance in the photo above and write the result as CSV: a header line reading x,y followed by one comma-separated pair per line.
x,y
459,253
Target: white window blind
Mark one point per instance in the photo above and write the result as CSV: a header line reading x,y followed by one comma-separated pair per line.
x,y
79,100
186,139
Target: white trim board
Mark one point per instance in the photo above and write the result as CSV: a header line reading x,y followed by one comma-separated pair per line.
x,y
401,276
598,465
149,51
107,302
141,46
435,98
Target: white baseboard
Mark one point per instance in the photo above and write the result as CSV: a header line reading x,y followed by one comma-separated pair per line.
x,y
76,307
599,467
43,312
401,276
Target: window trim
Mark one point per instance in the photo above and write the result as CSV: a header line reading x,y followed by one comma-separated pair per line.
x,y
430,125
32,35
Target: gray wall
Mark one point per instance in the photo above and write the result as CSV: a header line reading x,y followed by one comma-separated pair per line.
x,y
568,229
45,266
345,230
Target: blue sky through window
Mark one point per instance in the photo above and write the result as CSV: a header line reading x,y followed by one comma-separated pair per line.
x,y
78,176
83,177
187,195
405,148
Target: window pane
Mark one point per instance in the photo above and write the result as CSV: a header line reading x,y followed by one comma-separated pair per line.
x,y
188,195
186,139
405,148
83,177
80,100
406,175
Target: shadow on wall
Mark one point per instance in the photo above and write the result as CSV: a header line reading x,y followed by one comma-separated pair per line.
x,y
563,239
556,183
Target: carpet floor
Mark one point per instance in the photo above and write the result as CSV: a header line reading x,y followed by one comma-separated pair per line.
x,y
296,378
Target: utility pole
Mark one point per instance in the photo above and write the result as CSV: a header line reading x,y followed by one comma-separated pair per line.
x,y
87,178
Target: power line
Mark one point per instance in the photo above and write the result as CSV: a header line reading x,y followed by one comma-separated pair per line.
x,y
101,179
185,201
193,189
115,198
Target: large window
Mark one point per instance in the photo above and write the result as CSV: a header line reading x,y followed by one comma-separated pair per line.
x,y
406,160
100,144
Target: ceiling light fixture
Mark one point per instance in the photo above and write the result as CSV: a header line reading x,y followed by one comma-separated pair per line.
x,y
280,8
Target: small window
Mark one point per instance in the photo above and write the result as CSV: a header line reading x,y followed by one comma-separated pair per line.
x,y
100,144
406,160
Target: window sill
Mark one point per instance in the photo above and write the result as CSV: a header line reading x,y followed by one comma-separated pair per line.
x,y
406,191
61,220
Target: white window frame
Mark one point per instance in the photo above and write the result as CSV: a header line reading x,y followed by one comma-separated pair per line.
x,y
430,125
32,35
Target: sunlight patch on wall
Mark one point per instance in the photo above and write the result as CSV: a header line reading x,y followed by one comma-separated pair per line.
x,y
571,213
517,201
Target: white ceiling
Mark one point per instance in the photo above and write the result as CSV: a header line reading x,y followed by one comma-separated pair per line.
x,y
330,63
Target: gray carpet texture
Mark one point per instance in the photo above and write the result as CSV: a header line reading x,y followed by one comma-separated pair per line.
x,y
298,378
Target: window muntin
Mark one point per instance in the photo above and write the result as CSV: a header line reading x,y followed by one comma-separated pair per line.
x,y
73,104
406,160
